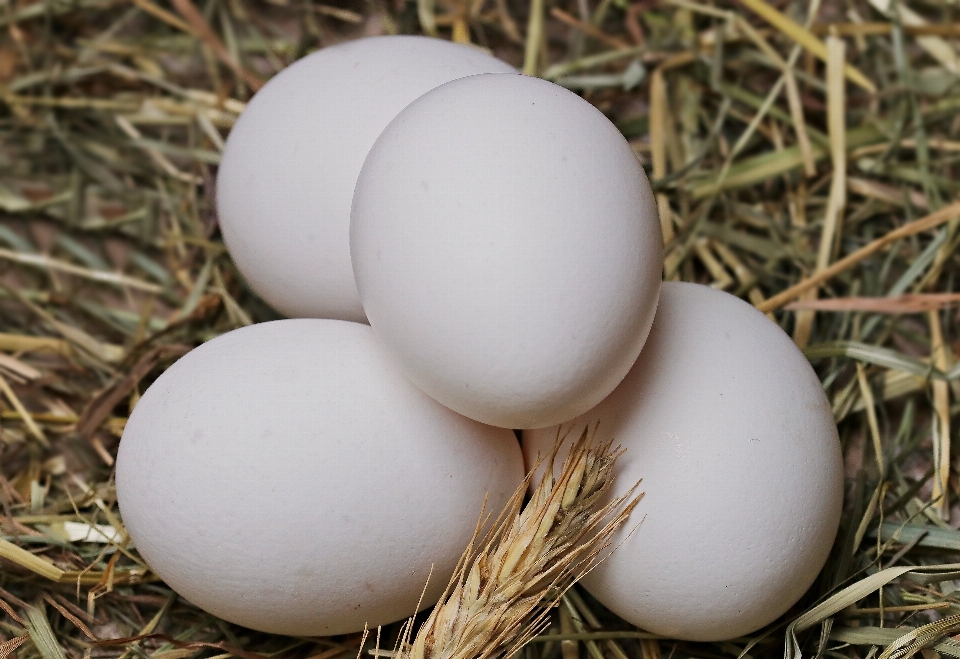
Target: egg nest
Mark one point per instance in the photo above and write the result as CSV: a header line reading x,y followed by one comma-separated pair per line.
x,y
112,266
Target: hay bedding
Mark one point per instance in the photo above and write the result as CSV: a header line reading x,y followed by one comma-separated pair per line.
x,y
788,142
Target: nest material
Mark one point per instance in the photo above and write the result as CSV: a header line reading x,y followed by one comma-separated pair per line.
x,y
789,143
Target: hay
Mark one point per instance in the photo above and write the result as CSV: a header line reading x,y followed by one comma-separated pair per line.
x,y
802,153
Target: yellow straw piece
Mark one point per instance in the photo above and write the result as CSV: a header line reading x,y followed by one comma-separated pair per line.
x,y
22,411
25,559
805,38
941,404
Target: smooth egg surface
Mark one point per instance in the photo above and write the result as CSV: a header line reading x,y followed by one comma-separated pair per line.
x,y
729,429
507,249
287,477
290,163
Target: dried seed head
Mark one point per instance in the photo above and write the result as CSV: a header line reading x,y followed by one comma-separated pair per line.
x,y
502,591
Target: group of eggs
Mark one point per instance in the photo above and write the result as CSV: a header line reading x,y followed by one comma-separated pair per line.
x,y
306,476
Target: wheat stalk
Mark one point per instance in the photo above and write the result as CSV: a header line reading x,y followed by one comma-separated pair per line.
x,y
500,594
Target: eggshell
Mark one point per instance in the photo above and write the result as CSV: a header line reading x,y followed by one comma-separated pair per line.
x,y
728,426
506,245
289,166
287,477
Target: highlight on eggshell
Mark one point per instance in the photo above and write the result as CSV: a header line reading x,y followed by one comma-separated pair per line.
x,y
507,249
288,477
729,429
290,163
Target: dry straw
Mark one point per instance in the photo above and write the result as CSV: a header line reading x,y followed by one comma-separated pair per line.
x,y
110,260
503,589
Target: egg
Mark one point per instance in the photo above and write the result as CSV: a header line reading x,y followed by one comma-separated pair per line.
x,y
288,478
507,250
290,163
729,429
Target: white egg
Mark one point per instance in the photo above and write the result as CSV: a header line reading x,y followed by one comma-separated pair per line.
x,y
288,170
287,477
728,426
506,245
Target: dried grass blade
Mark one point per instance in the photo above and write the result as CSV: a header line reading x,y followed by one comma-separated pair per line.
x,y
101,405
534,38
22,411
799,123
923,536
209,37
69,616
867,394
588,28
25,559
836,124
10,612
793,94
805,38
876,355
106,352
919,225
164,15
897,304
941,405
659,116
48,263
426,13
186,645
38,626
